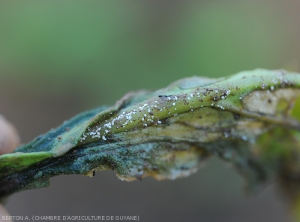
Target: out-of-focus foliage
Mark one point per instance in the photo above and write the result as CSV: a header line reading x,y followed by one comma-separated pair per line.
x,y
55,46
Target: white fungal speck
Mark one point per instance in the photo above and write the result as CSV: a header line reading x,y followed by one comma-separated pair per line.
x,y
97,135
107,125
142,107
221,107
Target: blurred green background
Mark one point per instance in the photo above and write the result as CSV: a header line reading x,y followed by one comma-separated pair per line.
x,y
59,58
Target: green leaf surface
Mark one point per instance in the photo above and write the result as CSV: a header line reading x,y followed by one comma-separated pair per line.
x,y
244,119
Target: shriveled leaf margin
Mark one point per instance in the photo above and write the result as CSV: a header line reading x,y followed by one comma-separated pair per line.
x,y
168,133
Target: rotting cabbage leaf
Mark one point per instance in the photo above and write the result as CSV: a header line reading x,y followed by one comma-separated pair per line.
x,y
245,119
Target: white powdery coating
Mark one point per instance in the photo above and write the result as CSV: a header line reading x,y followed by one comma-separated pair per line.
x,y
221,107
142,107
139,116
